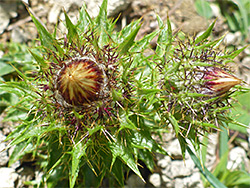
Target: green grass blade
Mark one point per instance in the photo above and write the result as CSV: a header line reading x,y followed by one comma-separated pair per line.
x,y
208,175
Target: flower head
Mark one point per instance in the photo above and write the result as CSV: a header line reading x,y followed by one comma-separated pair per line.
x,y
80,81
218,81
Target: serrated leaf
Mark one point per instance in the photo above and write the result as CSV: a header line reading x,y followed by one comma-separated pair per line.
x,y
118,172
148,91
160,22
102,24
210,44
125,122
144,42
94,129
128,41
8,87
46,38
31,129
174,123
143,140
127,35
40,60
164,39
183,145
205,124
20,150
56,152
77,153
72,35
125,153
148,159
84,20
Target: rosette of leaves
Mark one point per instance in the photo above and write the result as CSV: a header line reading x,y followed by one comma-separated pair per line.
x,y
84,104
94,99
197,85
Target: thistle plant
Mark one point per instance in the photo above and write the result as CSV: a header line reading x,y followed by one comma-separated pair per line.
x,y
95,100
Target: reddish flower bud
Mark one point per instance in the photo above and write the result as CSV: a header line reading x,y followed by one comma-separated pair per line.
x,y
219,81
80,81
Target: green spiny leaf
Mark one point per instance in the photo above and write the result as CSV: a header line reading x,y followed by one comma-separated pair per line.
x,y
125,122
72,35
233,54
84,21
206,34
77,153
46,38
20,150
144,42
39,59
118,149
164,39
143,140
174,123
102,24
129,37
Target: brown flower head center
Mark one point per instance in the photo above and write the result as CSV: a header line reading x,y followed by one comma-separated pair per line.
x,y
80,82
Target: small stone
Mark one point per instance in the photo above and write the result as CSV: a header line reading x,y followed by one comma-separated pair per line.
x,y
153,24
247,51
236,157
26,174
216,10
232,38
179,183
18,35
7,11
3,153
7,177
211,151
155,179
114,6
244,145
1,55
163,163
181,169
4,20
174,149
54,13
246,62
166,179
193,181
